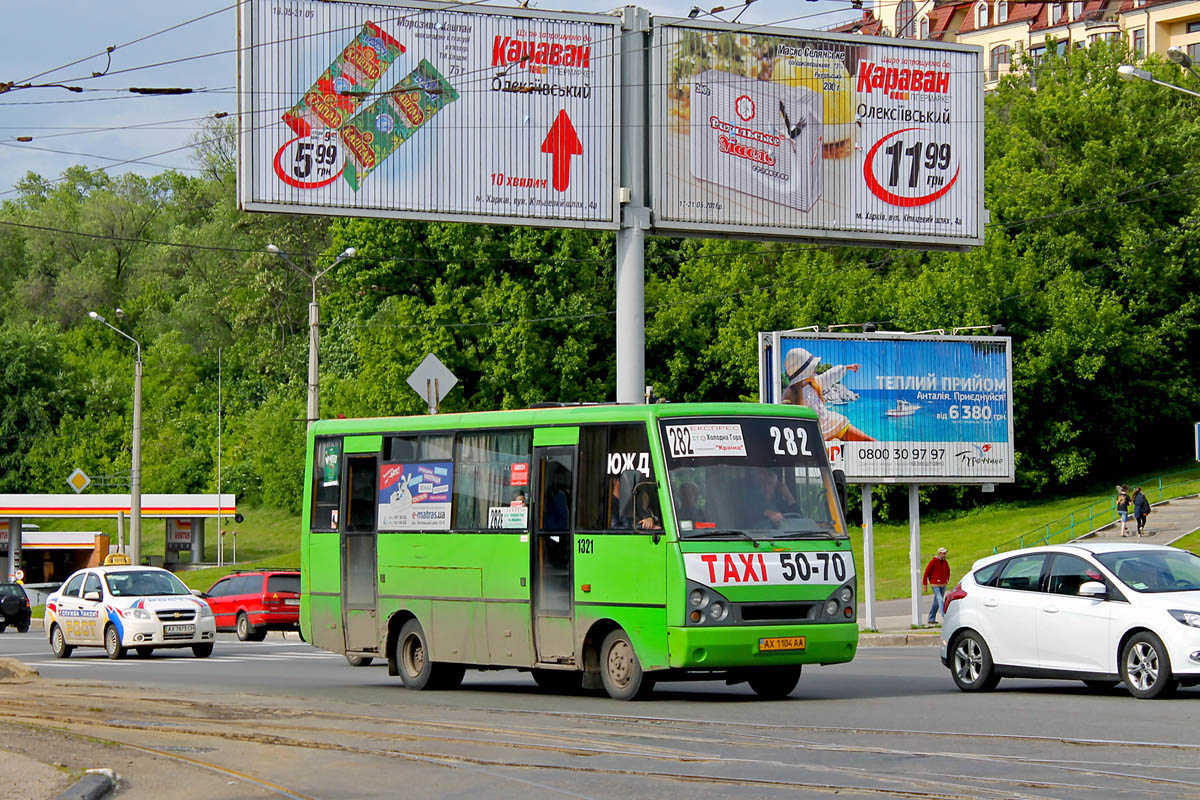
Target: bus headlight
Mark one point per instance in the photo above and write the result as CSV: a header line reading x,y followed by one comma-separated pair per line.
x,y
718,611
831,608
704,606
845,595
697,598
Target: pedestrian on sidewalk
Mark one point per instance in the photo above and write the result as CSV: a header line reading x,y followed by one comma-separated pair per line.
x,y
1141,509
1123,508
937,575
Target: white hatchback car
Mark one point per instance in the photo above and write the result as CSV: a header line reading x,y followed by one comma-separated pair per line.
x,y
1100,613
123,607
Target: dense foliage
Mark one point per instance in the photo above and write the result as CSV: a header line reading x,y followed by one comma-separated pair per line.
x,y
1090,262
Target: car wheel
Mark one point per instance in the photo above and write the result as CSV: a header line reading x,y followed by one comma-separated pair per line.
x,y
558,681
202,650
1099,685
112,643
23,628
1146,667
144,652
620,669
774,683
245,631
971,664
58,643
3,626
358,661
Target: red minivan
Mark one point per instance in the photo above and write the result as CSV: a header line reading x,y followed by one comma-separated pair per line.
x,y
253,602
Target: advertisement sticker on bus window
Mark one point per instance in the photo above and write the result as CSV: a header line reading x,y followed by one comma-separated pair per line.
x,y
514,518
699,441
519,474
415,497
331,456
769,569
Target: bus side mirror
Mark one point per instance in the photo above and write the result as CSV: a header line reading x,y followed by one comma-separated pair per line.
x,y
839,481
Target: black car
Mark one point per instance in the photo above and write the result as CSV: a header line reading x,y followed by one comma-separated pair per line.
x,y
14,607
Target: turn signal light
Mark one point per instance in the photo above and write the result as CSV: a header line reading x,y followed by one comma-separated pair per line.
x,y
696,616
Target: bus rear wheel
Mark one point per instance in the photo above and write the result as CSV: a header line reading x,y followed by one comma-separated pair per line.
x,y
774,683
620,669
417,670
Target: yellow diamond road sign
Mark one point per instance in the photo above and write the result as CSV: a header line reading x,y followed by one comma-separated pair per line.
x,y
78,481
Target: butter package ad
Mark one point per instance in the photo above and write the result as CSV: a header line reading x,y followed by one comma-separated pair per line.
x,y
378,130
760,138
356,70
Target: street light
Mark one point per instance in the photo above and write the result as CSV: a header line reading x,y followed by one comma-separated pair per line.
x,y
1180,57
135,473
314,313
1131,73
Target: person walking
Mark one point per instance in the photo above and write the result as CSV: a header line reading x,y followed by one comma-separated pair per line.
x,y
1123,508
1141,509
937,575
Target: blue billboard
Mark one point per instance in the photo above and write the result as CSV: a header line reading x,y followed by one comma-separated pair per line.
x,y
898,407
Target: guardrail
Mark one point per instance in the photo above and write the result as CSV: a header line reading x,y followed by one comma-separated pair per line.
x,y
1104,512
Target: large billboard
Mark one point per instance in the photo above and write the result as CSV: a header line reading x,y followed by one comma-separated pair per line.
x,y
426,111
900,408
769,132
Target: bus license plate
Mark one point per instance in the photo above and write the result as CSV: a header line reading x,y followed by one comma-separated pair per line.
x,y
168,629
781,643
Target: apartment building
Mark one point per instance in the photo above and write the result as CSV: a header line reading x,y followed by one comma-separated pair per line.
x,y
1004,29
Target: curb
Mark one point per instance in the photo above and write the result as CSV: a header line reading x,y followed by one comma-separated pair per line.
x,y
93,786
899,640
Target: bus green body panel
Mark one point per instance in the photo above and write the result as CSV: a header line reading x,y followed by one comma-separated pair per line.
x,y
552,437
738,646
647,629
320,602
362,444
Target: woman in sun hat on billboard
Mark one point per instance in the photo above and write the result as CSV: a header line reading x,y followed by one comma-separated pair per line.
x,y
807,388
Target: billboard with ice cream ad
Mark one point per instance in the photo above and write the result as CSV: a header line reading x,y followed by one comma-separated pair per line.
x,y
776,133
428,111
900,408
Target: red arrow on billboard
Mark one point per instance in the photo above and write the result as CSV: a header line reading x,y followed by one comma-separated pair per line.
x,y
561,143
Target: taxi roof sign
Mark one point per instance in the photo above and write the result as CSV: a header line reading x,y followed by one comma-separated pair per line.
x,y
78,481
116,560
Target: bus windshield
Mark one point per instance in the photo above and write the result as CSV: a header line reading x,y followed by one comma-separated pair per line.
x,y
756,477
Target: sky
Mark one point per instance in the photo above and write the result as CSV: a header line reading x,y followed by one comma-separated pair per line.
x,y
189,45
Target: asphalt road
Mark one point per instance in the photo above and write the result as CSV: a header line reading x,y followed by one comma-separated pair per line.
x,y
889,724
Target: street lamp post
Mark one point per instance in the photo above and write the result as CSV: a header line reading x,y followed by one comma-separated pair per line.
x,y
1132,73
135,473
314,314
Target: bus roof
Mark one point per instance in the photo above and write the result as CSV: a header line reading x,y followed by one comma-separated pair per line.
x,y
562,415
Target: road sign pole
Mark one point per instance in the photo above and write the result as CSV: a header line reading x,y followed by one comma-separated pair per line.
x,y
635,215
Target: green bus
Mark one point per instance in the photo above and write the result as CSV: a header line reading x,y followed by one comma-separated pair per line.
x,y
593,545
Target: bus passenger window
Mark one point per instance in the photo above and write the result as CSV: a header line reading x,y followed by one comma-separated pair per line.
x,y
327,483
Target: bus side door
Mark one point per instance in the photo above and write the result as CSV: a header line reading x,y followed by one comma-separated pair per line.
x,y
360,498
553,549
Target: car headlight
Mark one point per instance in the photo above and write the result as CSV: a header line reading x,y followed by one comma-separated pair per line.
x,y
136,613
1191,618
205,610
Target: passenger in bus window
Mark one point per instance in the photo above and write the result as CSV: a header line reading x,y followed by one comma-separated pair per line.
x,y
648,517
772,496
620,501
689,503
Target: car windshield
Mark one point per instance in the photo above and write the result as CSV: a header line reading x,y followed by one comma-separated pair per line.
x,y
144,584
757,477
1154,570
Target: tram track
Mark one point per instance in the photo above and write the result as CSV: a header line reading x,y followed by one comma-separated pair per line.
x,y
532,747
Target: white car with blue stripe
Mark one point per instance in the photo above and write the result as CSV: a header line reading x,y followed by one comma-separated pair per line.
x,y
124,607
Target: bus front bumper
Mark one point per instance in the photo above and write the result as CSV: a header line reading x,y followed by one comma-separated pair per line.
x,y
748,645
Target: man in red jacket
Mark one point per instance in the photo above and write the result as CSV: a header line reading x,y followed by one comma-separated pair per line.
x,y
937,575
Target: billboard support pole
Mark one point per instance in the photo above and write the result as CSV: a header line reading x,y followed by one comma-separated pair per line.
x,y
868,556
635,215
914,550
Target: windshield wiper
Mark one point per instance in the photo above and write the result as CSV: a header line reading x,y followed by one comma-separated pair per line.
x,y
706,534
806,535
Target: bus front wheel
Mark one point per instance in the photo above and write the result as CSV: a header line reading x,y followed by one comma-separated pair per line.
x,y
416,669
621,670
